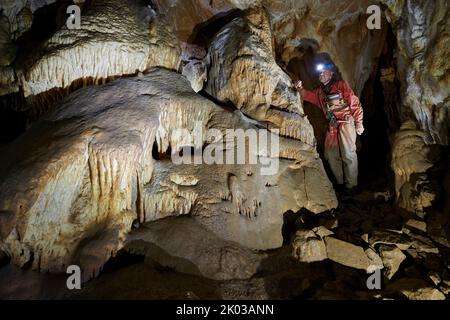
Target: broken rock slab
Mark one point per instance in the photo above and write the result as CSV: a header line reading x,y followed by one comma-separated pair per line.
x,y
434,277
376,263
418,225
415,289
185,245
410,163
322,231
445,284
423,244
308,247
347,254
392,258
194,66
242,70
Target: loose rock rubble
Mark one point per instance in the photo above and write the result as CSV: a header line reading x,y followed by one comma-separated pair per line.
x,y
412,265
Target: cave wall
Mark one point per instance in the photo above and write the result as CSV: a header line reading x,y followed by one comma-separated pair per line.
x,y
74,151
338,28
422,69
421,29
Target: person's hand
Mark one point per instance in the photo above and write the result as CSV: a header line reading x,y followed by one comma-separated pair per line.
x,y
359,128
299,85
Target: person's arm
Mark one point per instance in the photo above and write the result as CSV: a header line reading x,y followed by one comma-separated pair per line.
x,y
308,95
356,109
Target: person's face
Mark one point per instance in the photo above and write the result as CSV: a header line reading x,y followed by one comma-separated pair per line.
x,y
325,76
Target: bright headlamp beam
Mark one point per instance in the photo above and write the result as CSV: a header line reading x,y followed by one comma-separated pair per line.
x,y
320,67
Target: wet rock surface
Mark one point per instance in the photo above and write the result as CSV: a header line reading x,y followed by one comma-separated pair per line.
x,y
184,245
406,273
92,182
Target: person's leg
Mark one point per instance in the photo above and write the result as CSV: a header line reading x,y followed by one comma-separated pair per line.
x,y
332,155
347,144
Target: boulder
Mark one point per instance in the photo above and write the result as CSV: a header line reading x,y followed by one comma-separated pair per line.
x,y
402,241
392,258
415,289
183,244
423,244
434,277
322,231
376,262
347,254
308,247
416,225
445,284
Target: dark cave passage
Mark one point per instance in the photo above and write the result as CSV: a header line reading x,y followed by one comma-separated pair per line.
x,y
374,147
204,32
380,100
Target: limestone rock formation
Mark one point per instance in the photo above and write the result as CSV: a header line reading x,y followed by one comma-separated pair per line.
x,y
416,225
347,254
416,289
392,258
8,82
17,16
242,70
421,27
184,245
326,26
400,240
74,183
423,71
339,29
115,38
376,263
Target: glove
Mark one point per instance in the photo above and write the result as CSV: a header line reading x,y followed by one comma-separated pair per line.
x,y
359,128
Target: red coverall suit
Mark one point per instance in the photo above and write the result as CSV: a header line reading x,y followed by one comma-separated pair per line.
x,y
340,141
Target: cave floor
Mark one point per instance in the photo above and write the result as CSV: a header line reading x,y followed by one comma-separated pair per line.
x,y
279,277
